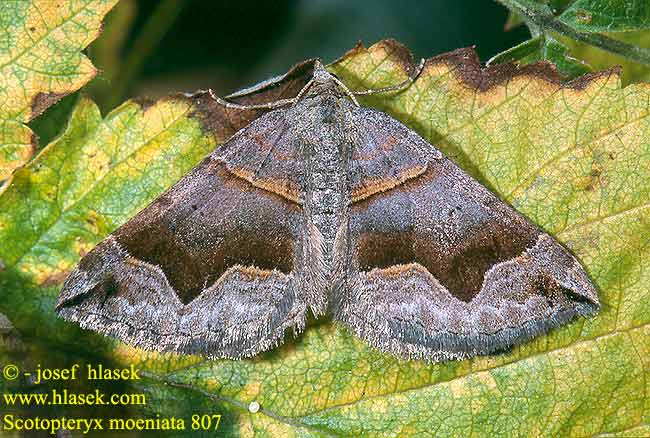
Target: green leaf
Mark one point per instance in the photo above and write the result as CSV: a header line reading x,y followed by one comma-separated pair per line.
x,y
558,5
607,15
543,48
40,62
573,158
87,182
600,59
514,19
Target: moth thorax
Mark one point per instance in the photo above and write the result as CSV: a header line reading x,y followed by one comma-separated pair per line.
x,y
326,192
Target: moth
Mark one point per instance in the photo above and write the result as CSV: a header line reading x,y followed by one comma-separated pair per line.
x,y
321,205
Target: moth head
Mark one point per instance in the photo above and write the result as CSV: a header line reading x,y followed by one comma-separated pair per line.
x,y
324,82
321,75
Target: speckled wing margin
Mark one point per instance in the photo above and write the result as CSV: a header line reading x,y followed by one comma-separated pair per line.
x,y
208,268
440,268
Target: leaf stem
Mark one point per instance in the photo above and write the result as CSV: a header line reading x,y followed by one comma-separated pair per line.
x,y
158,24
541,16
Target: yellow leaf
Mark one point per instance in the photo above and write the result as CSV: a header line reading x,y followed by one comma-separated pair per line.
x,y
40,62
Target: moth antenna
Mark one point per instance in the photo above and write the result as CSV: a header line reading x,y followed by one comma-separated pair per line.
x,y
347,91
397,87
269,105
304,90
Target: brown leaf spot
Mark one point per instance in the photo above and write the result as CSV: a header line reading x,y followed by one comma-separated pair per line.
x,y
144,102
43,101
82,247
583,81
583,16
594,180
33,141
55,279
466,66
399,53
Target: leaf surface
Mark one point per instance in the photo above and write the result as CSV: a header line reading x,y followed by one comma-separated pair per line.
x,y
600,59
40,62
572,157
607,15
543,48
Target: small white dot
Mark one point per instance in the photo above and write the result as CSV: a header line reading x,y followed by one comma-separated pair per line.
x,y
254,407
